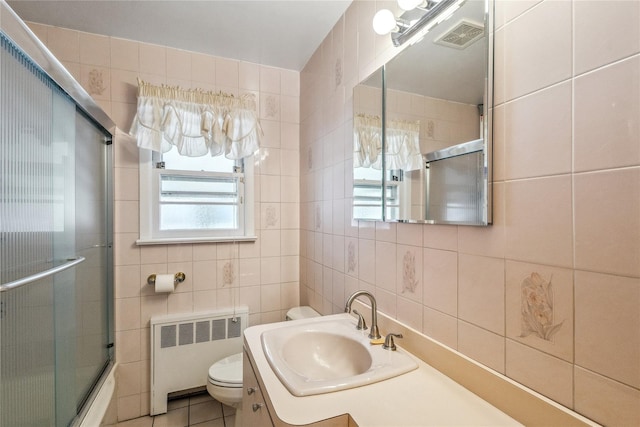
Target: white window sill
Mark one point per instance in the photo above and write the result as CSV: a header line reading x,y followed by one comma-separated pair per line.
x,y
183,240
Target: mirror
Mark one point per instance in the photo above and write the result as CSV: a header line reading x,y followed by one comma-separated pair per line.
x,y
436,101
367,143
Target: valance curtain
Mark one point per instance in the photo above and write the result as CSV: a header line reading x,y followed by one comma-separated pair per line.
x,y
196,122
367,141
402,149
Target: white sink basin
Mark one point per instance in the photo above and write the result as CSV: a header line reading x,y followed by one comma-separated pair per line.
x,y
326,355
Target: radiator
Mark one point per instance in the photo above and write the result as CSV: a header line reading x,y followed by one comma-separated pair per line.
x,y
184,346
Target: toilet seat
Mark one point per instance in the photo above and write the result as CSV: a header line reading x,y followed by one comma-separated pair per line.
x,y
227,372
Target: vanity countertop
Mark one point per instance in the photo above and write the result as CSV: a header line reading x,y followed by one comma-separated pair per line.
x,y
422,397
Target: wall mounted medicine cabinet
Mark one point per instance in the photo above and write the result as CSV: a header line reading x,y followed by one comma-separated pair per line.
x,y
423,127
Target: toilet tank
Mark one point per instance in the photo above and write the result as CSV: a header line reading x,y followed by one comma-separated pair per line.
x,y
304,312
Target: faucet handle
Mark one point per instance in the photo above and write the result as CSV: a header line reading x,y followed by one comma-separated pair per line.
x,y
362,325
388,342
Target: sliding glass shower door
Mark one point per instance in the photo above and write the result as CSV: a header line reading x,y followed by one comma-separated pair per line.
x,y
55,248
93,234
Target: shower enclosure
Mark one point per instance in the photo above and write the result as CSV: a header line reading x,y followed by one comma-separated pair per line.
x,y
56,320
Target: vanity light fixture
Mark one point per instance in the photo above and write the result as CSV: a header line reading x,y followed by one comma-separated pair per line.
x,y
384,22
419,16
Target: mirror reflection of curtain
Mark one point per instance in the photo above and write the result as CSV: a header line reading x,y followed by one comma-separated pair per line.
x,y
367,141
402,143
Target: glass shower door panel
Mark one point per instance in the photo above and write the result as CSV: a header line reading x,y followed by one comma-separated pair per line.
x,y
26,243
55,248
92,242
64,247
27,384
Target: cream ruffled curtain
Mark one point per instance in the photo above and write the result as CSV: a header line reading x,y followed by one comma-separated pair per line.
x,y
196,122
367,141
402,147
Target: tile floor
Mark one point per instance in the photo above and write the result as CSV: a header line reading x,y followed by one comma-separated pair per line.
x,y
197,411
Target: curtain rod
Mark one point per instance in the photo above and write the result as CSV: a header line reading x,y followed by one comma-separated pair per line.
x,y
198,96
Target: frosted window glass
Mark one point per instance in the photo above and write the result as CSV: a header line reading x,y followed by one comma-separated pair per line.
x,y
198,217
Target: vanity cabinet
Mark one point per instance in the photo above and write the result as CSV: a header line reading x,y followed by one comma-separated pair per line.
x,y
255,404
254,407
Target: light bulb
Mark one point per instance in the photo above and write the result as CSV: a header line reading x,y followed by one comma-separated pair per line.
x,y
384,22
409,4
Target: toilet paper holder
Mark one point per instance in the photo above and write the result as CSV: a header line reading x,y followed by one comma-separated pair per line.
x,y
177,278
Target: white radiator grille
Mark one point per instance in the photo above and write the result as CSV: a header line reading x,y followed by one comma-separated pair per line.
x,y
183,347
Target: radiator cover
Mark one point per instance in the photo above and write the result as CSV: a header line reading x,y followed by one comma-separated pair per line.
x,y
184,346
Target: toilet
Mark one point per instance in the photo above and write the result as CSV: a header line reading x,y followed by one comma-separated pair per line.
x,y
224,382
304,312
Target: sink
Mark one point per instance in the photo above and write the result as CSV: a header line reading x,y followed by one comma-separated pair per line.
x,y
320,355
329,354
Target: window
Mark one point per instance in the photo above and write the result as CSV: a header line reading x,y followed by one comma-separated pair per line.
x,y
367,194
186,199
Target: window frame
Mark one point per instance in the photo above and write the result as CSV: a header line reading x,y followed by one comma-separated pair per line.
x,y
390,194
149,189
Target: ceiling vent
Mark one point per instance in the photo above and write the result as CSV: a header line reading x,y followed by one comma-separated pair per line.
x,y
461,35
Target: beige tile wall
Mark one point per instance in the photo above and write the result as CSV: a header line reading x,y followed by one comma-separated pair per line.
x,y
564,249
566,207
267,270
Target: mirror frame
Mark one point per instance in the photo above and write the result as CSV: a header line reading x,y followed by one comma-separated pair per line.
x,y
488,111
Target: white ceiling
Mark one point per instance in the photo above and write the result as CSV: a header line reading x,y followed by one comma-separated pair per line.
x,y
277,33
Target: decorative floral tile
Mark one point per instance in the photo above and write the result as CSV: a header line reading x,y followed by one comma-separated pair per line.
x,y
431,129
270,216
318,217
228,274
338,72
271,107
536,305
96,82
409,272
539,307
352,258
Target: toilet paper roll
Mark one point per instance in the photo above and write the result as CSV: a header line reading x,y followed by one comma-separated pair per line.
x,y
165,283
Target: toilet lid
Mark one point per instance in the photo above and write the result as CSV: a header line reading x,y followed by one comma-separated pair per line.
x,y
227,372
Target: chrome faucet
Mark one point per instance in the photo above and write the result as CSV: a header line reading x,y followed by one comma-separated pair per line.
x,y
375,333
362,325
388,341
